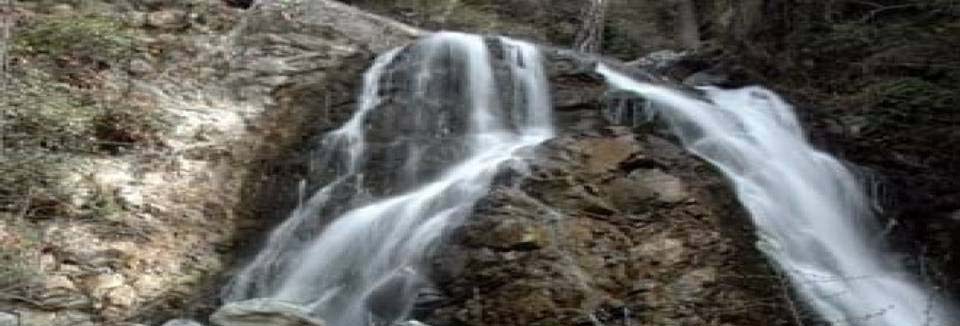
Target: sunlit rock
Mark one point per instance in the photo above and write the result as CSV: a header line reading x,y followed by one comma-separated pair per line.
x,y
260,312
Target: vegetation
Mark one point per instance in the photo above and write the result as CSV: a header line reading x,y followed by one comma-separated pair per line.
x,y
18,261
56,110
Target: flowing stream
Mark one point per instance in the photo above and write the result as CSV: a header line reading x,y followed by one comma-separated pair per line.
x,y
811,215
367,265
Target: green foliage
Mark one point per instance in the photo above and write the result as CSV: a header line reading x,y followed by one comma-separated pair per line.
x,y
89,39
910,97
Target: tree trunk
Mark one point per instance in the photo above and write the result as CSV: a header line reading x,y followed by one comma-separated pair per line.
x,y
590,36
688,26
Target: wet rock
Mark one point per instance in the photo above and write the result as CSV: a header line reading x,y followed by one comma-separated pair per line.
x,y
705,78
658,60
259,312
410,323
182,322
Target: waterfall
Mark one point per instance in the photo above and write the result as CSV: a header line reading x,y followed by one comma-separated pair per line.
x,y
811,215
367,264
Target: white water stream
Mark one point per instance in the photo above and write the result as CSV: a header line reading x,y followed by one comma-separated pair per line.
x,y
810,213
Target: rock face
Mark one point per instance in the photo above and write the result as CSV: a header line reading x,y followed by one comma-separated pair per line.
x,y
260,312
612,224
238,91
625,242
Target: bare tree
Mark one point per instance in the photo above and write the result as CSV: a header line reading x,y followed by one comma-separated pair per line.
x,y
590,36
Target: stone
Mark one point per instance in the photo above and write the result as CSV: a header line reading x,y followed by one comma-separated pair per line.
x,y
259,312
98,285
29,317
37,318
182,322
661,249
691,286
135,18
167,19
148,284
60,292
62,9
705,78
658,60
668,188
140,67
410,323
605,154
124,296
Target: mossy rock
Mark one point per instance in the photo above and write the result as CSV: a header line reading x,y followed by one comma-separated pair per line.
x,y
78,39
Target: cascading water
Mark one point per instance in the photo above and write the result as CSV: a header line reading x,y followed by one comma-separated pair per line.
x,y
811,215
367,265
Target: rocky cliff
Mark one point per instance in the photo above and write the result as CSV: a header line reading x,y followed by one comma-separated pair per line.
x,y
615,224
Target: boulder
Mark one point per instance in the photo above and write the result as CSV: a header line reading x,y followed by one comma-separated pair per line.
x,y
668,188
259,312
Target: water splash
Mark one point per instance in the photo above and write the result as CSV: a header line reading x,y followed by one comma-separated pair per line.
x,y
369,263
811,215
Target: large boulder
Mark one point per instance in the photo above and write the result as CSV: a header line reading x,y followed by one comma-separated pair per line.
x,y
261,312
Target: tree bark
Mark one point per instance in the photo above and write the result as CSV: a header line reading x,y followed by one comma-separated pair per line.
x,y
590,36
